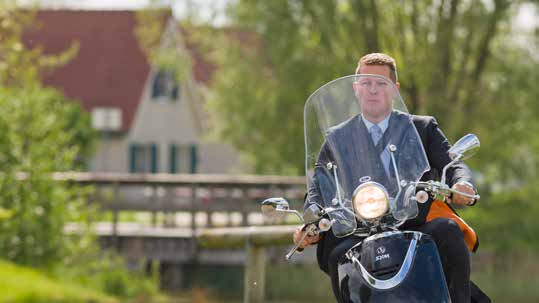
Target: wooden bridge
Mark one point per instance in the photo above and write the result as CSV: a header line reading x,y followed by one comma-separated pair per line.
x,y
232,230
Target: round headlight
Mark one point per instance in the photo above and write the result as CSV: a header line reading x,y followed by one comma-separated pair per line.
x,y
370,201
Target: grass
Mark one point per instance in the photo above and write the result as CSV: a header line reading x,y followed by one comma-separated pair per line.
x,y
510,278
506,279
24,285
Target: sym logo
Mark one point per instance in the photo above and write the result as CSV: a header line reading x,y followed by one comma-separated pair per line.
x,y
381,255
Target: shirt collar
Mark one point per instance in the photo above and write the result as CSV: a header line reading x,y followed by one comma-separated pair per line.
x,y
383,124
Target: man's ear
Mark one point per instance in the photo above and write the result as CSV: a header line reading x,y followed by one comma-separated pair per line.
x,y
398,85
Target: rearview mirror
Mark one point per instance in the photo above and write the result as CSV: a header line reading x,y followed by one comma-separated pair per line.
x,y
465,148
276,208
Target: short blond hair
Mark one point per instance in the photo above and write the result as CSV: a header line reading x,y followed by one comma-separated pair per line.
x,y
379,59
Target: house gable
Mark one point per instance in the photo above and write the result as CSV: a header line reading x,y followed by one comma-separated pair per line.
x,y
111,76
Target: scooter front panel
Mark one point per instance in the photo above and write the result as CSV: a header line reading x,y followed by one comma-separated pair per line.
x,y
383,257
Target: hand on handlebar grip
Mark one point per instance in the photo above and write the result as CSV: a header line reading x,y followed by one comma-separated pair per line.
x,y
304,236
462,194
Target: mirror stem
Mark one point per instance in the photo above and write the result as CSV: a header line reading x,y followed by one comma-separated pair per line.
x,y
457,158
337,184
295,212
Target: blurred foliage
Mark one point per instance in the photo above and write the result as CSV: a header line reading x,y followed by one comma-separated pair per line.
x,y
506,222
36,140
456,59
21,69
507,278
463,62
108,273
18,64
41,132
4,214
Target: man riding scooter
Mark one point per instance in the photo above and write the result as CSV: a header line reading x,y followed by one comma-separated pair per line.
x,y
454,239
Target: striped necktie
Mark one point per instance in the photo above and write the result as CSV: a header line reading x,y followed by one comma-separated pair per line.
x,y
376,133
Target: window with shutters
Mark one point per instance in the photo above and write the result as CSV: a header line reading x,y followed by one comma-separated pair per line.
x,y
183,159
165,87
143,158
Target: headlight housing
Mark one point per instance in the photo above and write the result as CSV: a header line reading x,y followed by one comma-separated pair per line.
x,y
370,201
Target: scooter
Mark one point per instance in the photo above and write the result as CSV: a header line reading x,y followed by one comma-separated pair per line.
x,y
363,197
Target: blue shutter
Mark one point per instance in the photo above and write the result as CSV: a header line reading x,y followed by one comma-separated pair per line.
x,y
175,91
194,159
173,159
155,158
156,85
133,158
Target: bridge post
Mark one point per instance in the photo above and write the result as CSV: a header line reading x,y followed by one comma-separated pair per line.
x,y
115,239
194,207
255,273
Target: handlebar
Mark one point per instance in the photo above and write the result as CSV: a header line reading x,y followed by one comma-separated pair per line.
x,y
475,197
442,190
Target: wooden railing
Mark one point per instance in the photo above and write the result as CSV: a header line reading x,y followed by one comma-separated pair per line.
x,y
166,193
201,193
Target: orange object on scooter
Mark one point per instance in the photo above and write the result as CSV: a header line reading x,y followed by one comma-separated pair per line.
x,y
440,209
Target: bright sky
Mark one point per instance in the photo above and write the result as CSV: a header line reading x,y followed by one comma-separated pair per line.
x,y
528,17
207,9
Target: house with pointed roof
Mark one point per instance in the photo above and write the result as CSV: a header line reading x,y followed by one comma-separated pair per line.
x,y
148,123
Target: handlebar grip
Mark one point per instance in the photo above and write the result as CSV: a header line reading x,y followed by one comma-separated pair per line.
x,y
454,191
310,230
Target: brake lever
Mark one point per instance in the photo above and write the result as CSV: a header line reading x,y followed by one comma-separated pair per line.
x,y
310,230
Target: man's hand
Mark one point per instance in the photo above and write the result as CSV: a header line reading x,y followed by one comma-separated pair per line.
x,y
460,199
309,240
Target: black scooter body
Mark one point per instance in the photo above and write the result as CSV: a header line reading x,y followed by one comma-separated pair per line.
x,y
399,266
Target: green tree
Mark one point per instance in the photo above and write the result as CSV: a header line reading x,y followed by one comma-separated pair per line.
x,y
506,122
41,132
34,144
277,52
460,61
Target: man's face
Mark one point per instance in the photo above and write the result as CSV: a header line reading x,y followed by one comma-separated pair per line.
x,y
375,95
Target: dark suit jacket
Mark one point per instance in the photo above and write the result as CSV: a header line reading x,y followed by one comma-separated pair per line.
x,y
436,148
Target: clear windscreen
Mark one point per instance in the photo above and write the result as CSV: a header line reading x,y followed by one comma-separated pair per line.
x,y
339,121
